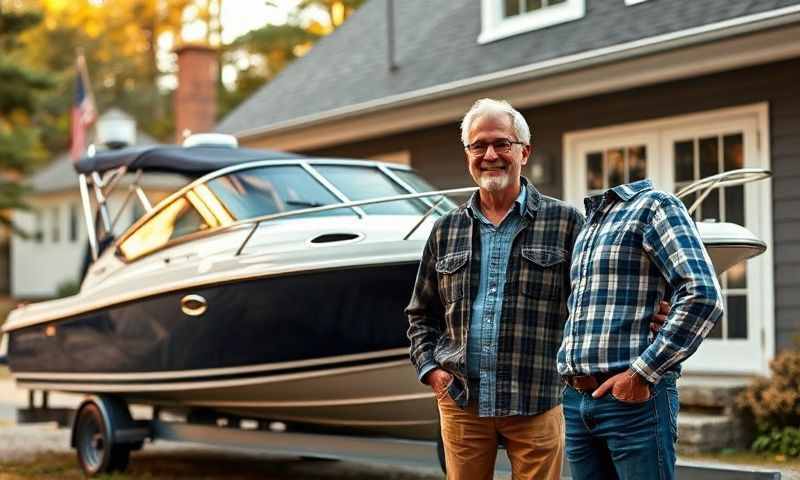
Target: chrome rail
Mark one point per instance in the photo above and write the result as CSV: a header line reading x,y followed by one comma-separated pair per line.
x,y
336,206
731,178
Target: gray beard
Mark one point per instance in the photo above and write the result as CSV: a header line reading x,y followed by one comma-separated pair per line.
x,y
494,184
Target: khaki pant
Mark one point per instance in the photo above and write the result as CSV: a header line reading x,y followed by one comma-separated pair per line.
x,y
535,444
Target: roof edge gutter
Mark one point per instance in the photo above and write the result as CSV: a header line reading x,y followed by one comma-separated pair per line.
x,y
646,46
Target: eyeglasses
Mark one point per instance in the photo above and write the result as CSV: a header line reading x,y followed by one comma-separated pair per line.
x,y
479,149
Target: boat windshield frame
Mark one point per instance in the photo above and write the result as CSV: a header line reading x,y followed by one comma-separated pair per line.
x,y
102,187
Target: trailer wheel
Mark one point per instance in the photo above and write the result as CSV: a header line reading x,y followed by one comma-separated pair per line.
x,y
93,442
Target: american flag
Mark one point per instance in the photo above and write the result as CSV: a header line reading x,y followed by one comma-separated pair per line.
x,y
84,112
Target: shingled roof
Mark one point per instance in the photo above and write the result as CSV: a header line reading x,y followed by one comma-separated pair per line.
x,y
436,43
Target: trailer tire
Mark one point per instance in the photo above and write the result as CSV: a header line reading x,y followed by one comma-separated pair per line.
x,y
93,439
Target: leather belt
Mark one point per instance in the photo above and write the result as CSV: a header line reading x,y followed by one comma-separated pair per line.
x,y
587,383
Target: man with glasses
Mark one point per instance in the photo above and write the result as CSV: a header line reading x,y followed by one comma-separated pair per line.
x,y
489,305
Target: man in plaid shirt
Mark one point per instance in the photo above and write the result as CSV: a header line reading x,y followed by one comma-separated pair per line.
x,y
487,314
638,247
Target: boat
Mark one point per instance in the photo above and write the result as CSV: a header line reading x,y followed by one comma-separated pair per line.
x,y
271,286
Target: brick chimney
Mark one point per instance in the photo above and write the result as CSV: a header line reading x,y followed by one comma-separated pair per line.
x,y
196,96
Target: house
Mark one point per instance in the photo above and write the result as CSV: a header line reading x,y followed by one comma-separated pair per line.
x,y
49,262
614,90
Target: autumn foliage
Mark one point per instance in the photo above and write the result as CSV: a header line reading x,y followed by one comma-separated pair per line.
x,y
774,404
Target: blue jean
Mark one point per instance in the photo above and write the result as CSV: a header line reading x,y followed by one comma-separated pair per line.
x,y
610,439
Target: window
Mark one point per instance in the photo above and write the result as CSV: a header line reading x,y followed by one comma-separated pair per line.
x,y
416,183
55,225
701,157
38,231
504,18
74,218
263,191
223,200
614,166
359,183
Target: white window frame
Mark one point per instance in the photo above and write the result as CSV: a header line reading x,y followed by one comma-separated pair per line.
x,y
495,27
758,208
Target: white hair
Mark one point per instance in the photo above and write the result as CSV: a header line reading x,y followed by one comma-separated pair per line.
x,y
490,106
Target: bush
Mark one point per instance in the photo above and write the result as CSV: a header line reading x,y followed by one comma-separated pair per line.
x,y
784,440
774,404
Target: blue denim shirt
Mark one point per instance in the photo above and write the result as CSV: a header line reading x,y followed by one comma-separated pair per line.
x,y
487,306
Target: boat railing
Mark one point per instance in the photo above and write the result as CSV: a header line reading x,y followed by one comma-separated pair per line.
x,y
256,221
730,178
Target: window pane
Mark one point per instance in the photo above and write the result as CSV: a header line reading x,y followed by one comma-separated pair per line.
x,y
734,153
637,163
74,218
267,190
362,183
511,8
709,209
533,5
737,276
737,316
709,157
616,167
419,185
594,171
684,161
734,204
176,219
55,219
555,2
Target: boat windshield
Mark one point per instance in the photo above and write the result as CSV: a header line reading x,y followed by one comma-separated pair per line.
x,y
360,183
263,191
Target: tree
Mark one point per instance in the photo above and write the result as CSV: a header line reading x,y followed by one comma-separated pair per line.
x,y
120,41
20,143
261,54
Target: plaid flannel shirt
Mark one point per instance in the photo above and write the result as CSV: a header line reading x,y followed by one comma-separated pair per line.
x,y
534,303
639,246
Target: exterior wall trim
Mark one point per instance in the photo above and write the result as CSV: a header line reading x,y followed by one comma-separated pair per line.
x,y
778,48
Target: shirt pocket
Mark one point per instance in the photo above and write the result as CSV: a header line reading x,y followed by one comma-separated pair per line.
x,y
542,273
452,272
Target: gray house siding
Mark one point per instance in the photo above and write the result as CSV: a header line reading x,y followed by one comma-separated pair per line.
x,y
436,153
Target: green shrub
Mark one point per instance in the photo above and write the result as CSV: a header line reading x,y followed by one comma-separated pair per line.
x,y
774,404
784,440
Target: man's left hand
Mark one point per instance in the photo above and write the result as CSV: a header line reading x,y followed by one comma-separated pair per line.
x,y
628,387
660,317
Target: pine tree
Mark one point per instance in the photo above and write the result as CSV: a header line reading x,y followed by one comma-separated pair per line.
x,y
20,144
